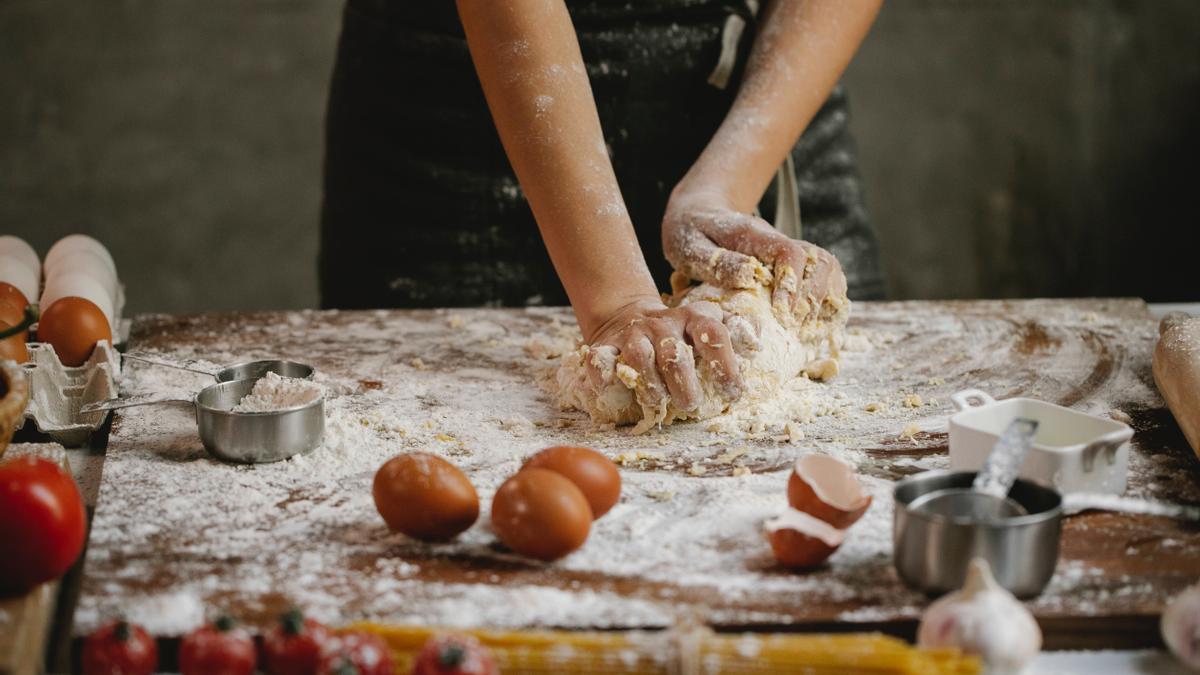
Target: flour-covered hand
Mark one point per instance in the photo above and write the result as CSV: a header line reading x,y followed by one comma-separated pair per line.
x,y
659,343
707,240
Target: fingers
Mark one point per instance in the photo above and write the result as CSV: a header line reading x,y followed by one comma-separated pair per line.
x,y
601,361
639,355
676,365
692,252
714,346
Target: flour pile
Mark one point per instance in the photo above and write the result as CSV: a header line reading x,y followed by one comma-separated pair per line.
x,y
772,348
272,393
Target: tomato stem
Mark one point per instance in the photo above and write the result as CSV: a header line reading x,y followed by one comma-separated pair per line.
x,y
293,621
452,656
225,623
122,631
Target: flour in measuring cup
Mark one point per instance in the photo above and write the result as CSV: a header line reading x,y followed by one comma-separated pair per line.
x,y
272,392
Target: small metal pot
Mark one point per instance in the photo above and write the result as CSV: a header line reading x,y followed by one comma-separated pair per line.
x,y
932,550
242,437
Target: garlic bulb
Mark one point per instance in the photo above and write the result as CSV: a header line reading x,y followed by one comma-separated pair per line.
x,y
984,619
1181,627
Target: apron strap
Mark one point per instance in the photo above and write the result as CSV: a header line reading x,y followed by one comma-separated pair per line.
x,y
731,34
787,199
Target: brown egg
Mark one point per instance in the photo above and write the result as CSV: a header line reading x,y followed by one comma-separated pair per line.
x,y
11,313
13,347
425,497
594,474
73,326
12,294
540,514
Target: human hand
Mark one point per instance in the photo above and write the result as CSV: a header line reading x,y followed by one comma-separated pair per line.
x,y
706,239
659,342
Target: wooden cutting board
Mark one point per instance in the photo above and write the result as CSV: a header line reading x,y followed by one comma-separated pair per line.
x,y
25,621
177,535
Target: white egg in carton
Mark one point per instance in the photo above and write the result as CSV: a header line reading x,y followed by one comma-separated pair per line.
x,y
57,392
75,266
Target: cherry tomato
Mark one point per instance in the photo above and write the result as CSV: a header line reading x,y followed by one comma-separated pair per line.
x,y
218,648
42,523
454,655
120,648
356,654
294,645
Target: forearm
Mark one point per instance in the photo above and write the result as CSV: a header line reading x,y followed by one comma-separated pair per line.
x,y
528,61
802,48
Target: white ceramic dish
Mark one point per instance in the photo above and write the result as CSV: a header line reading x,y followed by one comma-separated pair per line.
x,y
1072,451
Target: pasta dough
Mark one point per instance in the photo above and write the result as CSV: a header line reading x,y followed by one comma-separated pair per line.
x,y
771,348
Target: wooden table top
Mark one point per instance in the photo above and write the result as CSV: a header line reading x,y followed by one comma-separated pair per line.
x,y
177,535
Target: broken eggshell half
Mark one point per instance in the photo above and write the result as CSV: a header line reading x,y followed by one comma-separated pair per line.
x,y
827,488
802,541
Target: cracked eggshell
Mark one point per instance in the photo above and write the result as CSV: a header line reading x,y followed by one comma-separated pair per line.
x,y
801,541
827,488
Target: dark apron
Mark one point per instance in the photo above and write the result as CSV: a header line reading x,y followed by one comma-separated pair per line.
x,y
421,207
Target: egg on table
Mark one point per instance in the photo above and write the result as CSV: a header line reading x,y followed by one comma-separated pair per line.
x,y
593,473
541,514
424,497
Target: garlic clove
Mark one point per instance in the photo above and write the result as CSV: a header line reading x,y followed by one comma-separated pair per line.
x,y
1181,627
983,619
827,488
801,541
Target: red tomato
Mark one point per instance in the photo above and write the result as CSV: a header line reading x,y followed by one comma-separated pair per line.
x,y
218,648
356,654
42,523
120,648
294,645
454,655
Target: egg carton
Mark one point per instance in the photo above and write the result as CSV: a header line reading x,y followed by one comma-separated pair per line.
x,y
57,392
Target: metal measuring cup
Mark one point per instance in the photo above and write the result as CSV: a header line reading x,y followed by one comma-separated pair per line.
x,y
242,437
931,550
250,370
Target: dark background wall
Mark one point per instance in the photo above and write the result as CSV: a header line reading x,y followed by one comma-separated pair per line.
x,y
1013,148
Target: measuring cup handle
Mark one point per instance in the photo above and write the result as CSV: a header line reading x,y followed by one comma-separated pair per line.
x,y
177,365
130,402
962,399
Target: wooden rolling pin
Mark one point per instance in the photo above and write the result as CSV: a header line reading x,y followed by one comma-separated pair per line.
x,y
1177,372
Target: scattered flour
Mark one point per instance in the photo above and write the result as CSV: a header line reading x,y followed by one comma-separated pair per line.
x,y
175,531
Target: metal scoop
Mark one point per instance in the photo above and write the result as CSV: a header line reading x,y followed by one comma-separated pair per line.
x,y
987,498
251,370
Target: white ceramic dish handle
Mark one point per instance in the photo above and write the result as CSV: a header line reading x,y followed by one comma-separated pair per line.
x,y
1111,442
962,399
